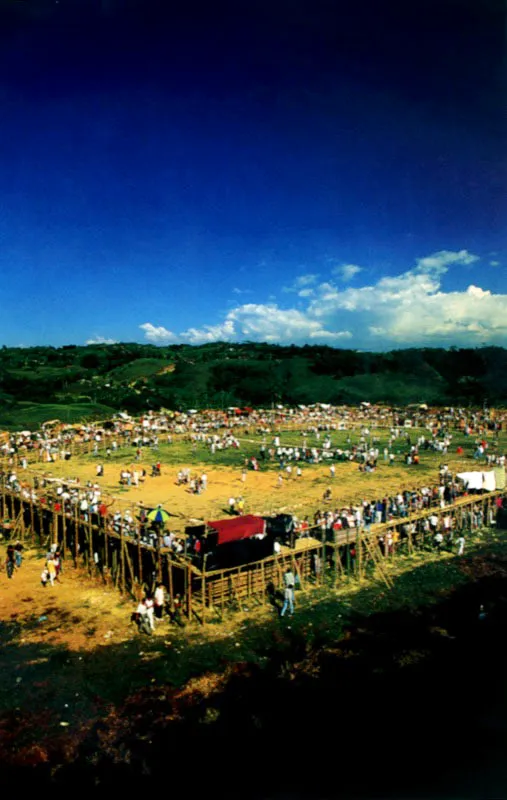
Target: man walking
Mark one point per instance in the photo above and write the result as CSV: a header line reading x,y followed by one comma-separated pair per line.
x,y
9,560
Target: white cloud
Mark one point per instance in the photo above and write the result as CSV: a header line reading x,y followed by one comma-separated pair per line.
x,y
101,340
439,262
301,282
494,263
408,309
346,271
157,335
269,323
411,308
241,291
210,333
305,280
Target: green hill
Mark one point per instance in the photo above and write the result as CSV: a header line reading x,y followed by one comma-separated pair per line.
x,y
76,382
32,415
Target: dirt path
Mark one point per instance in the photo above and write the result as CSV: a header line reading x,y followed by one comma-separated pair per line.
x,y
77,612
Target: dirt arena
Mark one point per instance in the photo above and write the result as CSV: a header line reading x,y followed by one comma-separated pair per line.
x,y
300,496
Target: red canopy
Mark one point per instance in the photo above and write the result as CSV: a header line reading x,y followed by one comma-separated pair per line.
x,y
231,530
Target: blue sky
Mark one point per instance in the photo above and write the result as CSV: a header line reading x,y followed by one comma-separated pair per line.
x,y
285,171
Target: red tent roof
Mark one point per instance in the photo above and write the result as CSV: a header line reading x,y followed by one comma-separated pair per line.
x,y
231,530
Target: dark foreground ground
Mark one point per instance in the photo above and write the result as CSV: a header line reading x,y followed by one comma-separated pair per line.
x,y
408,704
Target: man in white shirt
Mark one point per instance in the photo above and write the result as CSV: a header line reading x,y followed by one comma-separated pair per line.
x,y
159,599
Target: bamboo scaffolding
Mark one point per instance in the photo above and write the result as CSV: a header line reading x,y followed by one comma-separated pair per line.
x,y
214,589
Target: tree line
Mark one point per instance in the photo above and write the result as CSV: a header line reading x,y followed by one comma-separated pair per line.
x,y
136,377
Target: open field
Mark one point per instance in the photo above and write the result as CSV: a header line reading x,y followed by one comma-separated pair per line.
x,y
300,496
78,679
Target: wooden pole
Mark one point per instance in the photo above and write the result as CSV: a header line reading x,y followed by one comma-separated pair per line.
x,y
64,531
139,559
203,586
54,539
222,586
77,521
169,562
189,590
347,554
335,560
359,555
90,544
106,544
122,556
323,565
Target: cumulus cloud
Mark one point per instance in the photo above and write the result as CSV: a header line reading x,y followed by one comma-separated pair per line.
x,y
494,263
407,309
411,308
269,323
346,271
210,333
157,335
101,340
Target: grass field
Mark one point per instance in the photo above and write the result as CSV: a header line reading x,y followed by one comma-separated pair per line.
x,y
34,414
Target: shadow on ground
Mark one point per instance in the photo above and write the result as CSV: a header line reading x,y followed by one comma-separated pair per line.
x,y
408,703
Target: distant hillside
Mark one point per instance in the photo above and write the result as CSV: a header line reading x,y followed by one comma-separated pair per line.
x,y
89,380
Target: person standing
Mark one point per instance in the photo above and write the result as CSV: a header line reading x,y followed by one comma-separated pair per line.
x,y
461,544
317,566
10,560
51,567
18,553
289,583
159,599
141,618
150,611
58,564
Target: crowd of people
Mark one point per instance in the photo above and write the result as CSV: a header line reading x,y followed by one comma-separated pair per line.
x,y
220,429
156,607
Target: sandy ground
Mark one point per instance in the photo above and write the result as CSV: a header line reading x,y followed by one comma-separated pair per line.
x,y
301,496
72,608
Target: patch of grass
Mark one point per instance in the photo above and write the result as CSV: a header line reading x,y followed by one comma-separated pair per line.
x,y
32,415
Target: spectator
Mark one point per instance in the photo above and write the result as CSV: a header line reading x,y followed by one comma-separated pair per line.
x,y
159,599
289,583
